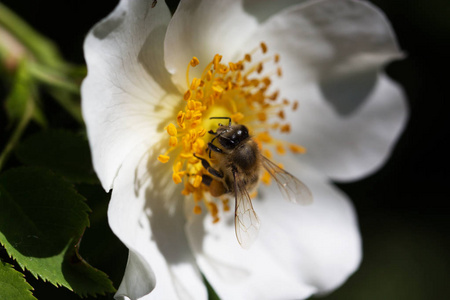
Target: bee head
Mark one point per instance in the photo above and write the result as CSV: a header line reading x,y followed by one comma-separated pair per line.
x,y
232,136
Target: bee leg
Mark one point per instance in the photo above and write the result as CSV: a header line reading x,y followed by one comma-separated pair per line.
x,y
212,132
211,143
214,148
206,180
208,167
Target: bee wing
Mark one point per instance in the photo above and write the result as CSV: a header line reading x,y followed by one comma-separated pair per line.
x,y
290,187
246,222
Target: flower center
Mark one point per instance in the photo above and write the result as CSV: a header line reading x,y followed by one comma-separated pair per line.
x,y
238,91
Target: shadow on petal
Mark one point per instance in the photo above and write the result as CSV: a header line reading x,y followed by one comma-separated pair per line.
x,y
150,58
164,208
136,278
105,27
346,92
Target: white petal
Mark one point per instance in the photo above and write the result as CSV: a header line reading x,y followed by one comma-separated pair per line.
x,y
301,250
136,279
331,54
126,80
203,29
346,148
144,213
263,9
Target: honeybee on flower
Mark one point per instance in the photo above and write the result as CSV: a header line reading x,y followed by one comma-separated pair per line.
x,y
301,75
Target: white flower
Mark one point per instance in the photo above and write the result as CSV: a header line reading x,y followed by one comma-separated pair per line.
x,y
349,116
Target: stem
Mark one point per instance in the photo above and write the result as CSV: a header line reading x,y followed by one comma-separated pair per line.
x,y
53,78
18,131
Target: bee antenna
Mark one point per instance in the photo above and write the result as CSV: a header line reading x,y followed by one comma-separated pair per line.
x,y
222,118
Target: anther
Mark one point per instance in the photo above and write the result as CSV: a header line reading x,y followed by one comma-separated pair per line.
x,y
197,210
297,149
173,141
286,128
263,47
163,158
279,72
195,83
262,116
259,68
194,61
176,178
280,149
187,95
171,130
197,181
277,58
217,59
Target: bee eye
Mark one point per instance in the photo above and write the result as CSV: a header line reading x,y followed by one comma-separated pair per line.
x,y
243,132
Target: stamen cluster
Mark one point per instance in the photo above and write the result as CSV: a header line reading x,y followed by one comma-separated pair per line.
x,y
239,90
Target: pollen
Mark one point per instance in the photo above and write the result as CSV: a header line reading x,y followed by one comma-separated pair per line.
x,y
266,178
197,210
241,90
194,62
163,158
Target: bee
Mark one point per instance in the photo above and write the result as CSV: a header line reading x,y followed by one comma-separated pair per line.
x,y
236,172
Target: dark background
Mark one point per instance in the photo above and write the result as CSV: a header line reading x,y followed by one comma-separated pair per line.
x,y
402,209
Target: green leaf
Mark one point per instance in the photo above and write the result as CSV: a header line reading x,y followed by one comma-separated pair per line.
x,y
212,295
13,284
113,258
42,219
64,152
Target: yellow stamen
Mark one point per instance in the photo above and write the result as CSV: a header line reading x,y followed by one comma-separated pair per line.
x,y
264,47
266,179
262,116
176,178
197,181
173,141
194,62
267,153
171,130
212,207
286,128
163,158
297,149
197,210
280,149
237,117
277,58
226,205
240,91
187,95
180,120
